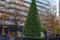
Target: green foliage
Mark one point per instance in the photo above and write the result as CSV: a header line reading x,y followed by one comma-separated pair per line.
x,y
32,25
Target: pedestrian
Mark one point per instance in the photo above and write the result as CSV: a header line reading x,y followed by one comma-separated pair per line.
x,y
4,37
8,35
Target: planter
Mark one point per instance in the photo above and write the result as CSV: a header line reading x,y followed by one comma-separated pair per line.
x,y
28,38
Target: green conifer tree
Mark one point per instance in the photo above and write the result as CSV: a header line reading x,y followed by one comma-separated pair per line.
x,y
32,25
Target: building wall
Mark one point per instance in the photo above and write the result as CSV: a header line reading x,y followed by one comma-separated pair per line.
x,y
59,12
11,14
11,9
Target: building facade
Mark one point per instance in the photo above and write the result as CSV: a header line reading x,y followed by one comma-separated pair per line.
x,y
59,11
12,15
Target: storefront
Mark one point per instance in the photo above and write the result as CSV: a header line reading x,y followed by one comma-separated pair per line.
x,y
10,29
0,30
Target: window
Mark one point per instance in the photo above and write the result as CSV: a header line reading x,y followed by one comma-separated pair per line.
x,y
0,21
7,0
11,17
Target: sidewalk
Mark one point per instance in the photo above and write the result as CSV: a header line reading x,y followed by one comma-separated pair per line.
x,y
12,38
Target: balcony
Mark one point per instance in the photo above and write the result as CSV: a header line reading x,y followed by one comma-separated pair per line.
x,y
8,22
2,3
15,2
11,10
23,13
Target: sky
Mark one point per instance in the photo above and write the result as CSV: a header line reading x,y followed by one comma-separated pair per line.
x,y
57,7
52,1
39,0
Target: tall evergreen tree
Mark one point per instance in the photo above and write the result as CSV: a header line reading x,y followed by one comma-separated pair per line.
x,y
32,25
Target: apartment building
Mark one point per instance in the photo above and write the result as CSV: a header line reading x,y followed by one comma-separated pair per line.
x,y
12,15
